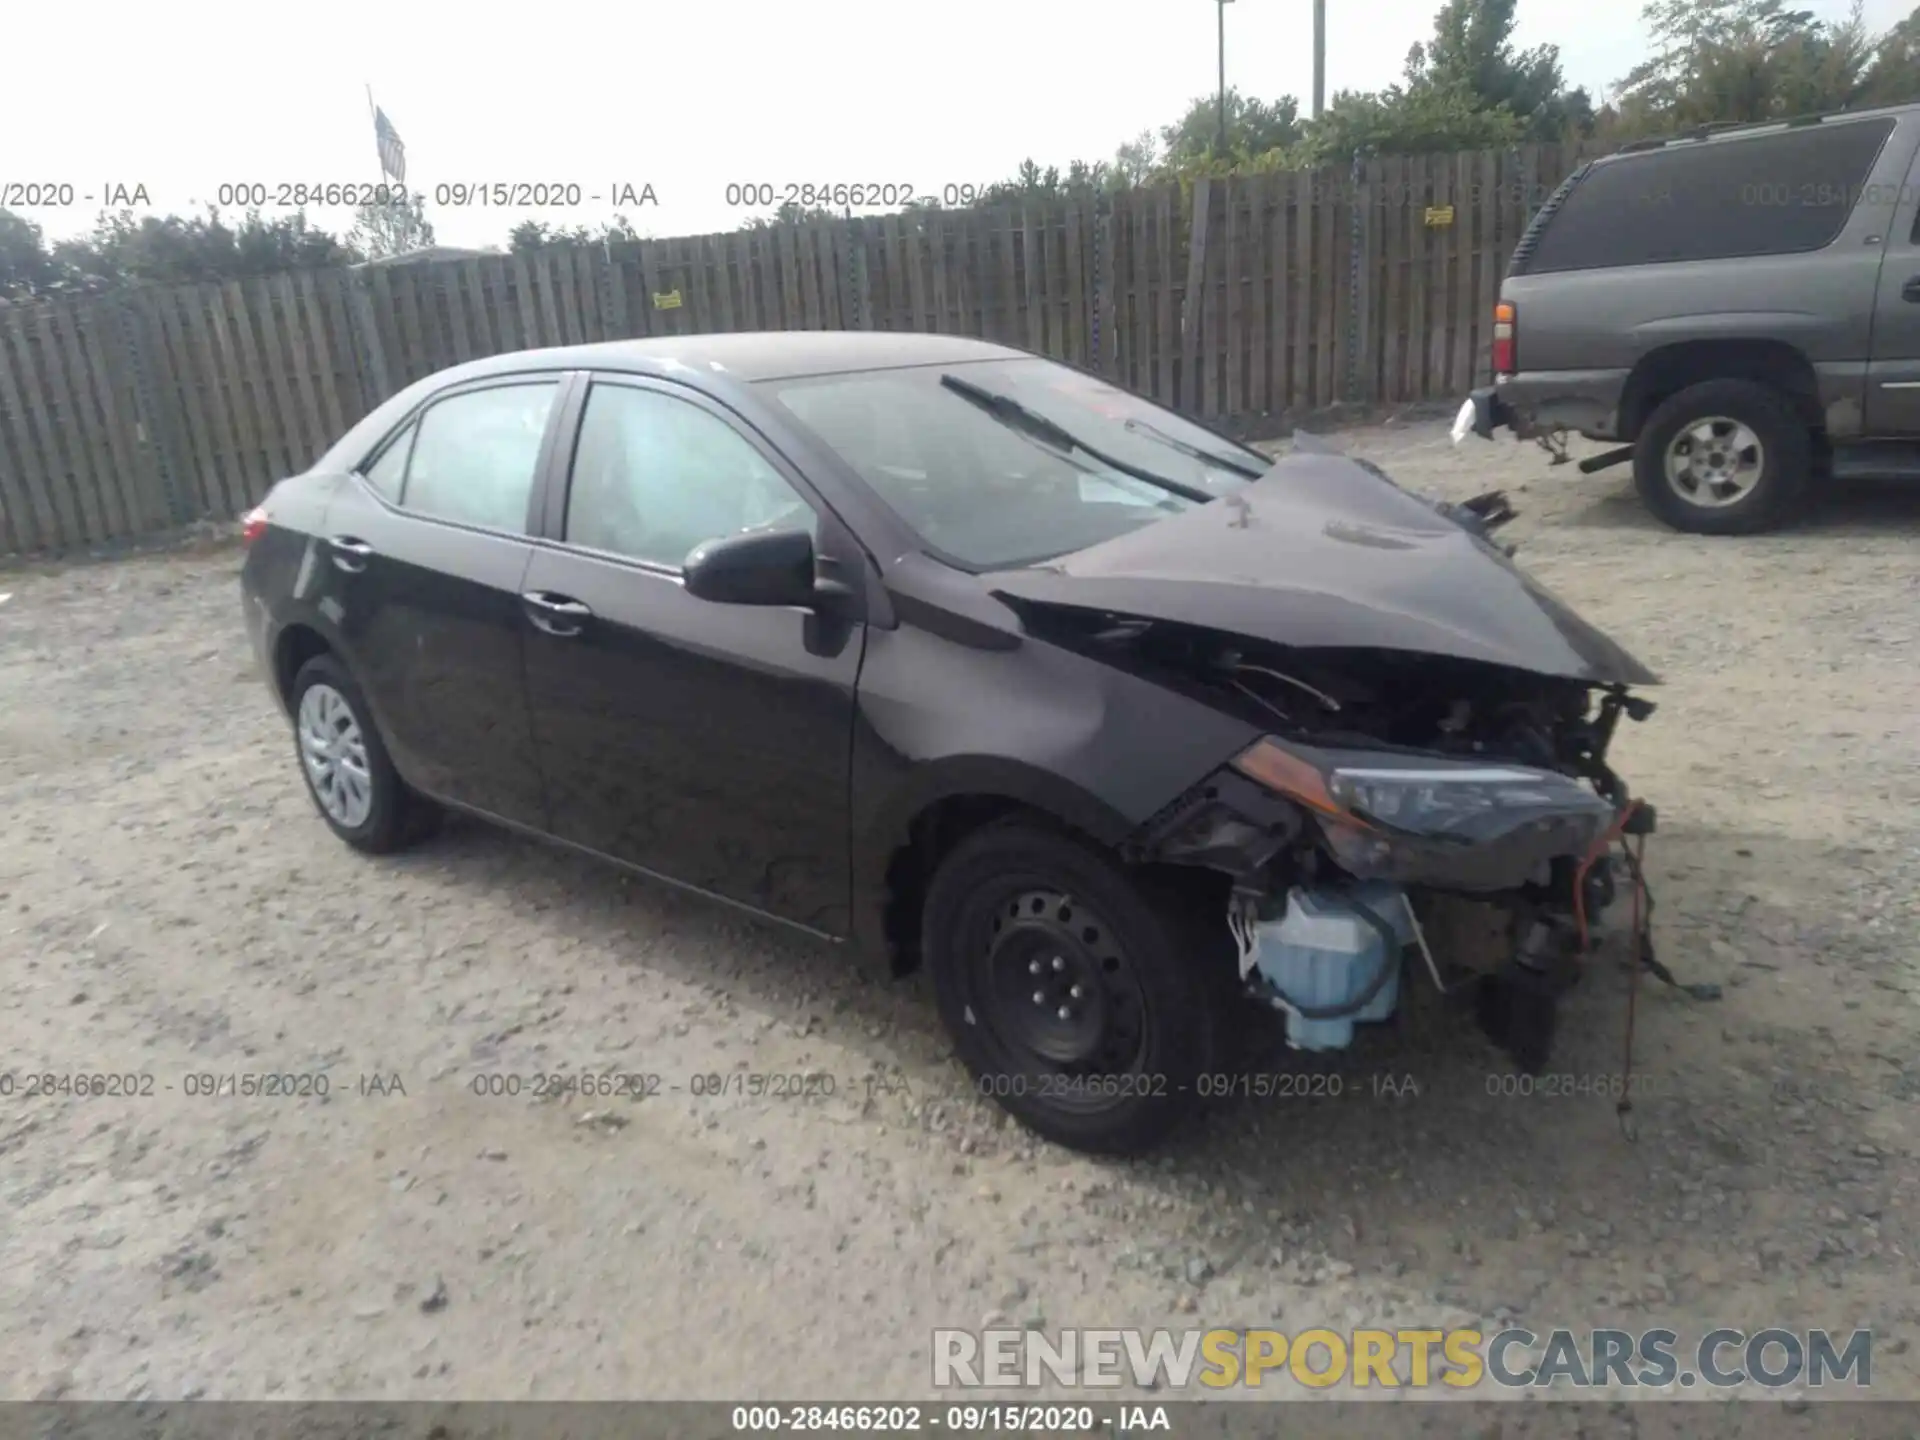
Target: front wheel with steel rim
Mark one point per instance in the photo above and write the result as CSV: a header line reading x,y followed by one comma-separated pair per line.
x,y
1725,457
1081,999
345,763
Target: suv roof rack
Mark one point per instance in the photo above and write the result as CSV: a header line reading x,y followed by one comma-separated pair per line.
x,y
1726,127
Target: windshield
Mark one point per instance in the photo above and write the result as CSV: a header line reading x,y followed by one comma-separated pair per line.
x,y
1006,463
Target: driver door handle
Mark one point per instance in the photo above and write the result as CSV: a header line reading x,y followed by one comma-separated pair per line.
x,y
559,615
1911,290
350,553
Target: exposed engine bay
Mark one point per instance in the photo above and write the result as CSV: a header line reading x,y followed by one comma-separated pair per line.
x,y
1406,812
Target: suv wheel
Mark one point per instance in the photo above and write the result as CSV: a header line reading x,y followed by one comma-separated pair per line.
x,y
1727,457
1081,1001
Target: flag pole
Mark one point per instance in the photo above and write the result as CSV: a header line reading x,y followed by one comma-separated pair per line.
x,y
373,114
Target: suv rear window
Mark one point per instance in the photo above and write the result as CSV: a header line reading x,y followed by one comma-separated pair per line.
x,y
1779,194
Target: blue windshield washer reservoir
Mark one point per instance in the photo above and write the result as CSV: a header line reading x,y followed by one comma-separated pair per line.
x,y
1326,952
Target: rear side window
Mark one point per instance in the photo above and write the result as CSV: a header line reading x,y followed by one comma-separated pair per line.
x,y
474,455
1779,194
387,473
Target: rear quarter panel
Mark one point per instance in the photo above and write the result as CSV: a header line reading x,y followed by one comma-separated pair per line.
x,y
278,579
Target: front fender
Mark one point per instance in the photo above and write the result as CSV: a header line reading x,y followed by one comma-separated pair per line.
x,y
1092,746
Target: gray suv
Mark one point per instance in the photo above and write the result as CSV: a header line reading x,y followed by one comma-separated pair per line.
x,y
1739,308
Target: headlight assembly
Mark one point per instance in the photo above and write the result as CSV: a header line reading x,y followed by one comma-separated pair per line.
x,y
1469,803
1411,817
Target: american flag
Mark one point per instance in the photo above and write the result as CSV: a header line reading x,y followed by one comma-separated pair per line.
x,y
393,150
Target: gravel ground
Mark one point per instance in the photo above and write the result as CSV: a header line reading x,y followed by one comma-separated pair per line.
x,y
171,907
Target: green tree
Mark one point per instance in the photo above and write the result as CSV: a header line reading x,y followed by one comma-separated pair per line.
x,y
393,228
1403,120
791,212
1893,78
530,235
1135,162
27,266
1736,61
1253,128
1466,88
1471,54
124,248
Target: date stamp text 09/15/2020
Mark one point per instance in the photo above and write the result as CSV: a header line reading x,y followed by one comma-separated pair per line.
x,y
1306,1086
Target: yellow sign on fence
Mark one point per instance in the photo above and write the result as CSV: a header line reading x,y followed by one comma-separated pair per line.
x,y
1438,215
668,301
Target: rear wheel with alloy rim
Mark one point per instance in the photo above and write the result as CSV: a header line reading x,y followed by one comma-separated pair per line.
x,y
345,764
1715,462
1727,457
1078,995
335,752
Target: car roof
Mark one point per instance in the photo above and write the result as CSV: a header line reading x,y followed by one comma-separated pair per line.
x,y
749,355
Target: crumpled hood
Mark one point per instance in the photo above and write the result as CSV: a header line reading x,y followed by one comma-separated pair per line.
x,y
1325,551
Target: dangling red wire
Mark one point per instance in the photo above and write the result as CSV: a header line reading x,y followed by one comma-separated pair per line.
x,y
1642,919
1600,847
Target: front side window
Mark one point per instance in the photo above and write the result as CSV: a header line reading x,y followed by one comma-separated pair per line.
x,y
474,457
990,490
655,476
1784,193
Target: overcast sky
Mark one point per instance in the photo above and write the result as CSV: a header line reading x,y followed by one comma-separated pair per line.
x,y
686,97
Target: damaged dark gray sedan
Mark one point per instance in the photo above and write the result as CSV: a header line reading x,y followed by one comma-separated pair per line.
x,y
977,661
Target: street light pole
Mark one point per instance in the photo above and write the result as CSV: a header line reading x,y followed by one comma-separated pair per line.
x,y
1319,57
1220,140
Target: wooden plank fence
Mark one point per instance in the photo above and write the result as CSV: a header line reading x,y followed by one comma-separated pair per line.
x,y
1246,300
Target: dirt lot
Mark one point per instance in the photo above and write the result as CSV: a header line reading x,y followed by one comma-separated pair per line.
x,y
171,907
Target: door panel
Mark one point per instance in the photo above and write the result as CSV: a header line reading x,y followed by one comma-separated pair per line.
x,y
707,743
430,606
1893,379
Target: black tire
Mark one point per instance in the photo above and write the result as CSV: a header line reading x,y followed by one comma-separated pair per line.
x,y
397,816
1158,978
1785,465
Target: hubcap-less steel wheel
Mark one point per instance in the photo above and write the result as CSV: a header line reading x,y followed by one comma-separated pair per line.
x,y
1059,990
335,754
1715,462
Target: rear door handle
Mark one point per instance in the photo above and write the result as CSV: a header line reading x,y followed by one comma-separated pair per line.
x,y
1911,290
349,552
556,614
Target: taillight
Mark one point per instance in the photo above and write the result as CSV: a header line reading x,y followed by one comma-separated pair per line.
x,y
253,524
1504,326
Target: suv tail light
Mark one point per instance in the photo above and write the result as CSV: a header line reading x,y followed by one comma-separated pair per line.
x,y
1504,326
253,524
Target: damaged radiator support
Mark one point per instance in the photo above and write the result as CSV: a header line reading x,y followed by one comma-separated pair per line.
x,y
1329,954
1471,816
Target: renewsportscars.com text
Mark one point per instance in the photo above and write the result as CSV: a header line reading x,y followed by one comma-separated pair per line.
x,y
1514,1358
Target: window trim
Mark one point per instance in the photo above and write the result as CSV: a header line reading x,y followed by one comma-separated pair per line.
x,y
1912,192
553,531
408,428
407,434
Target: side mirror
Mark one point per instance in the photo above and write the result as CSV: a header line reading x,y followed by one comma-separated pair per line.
x,y
766,567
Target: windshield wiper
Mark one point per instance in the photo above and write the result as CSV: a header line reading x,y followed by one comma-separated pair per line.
x,y
1010,412
1195,452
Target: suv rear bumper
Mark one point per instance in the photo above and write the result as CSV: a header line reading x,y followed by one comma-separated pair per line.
x,y
1490,412
1586,401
